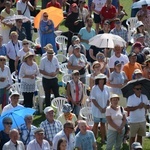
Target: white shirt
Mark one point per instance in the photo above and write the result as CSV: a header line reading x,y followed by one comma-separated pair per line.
x,y
11,146
21,53
99,4
102,97
33,145
9,107
61,134
123,59
49,66
28,70
21,6
7,75
137,115
13,48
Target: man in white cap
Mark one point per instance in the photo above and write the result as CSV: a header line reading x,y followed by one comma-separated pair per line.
x,y
14,102
50,125
38,143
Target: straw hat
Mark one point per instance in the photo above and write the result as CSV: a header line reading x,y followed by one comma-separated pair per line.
x,y
28,54
114,96
50,51
96,63
100,76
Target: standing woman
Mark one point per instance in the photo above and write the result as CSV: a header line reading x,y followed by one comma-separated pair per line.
x,y
116,119
100,100
6,12
5,81
117,80
47,34
28,72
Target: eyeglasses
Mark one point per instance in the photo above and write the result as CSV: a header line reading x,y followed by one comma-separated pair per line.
x,y
8,123
2,59
138,89
71,128
25,43
45,16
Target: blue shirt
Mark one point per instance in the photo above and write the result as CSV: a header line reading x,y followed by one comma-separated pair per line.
x,y
85,35
85,141
3,50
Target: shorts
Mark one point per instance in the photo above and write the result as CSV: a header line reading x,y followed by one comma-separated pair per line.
x,y
97,18
137,128
97,120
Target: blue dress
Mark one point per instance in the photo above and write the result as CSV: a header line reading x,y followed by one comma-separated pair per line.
x,y
45,37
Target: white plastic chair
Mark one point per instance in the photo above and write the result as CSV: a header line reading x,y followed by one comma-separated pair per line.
x,y
41,95
37,41
66,78
57,104
63,68
131,22
61,58
58,32
14,77
16,87
86,114
61,41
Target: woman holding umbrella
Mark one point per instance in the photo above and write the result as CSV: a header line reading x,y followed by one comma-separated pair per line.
x,y
4,134
5,81
47,34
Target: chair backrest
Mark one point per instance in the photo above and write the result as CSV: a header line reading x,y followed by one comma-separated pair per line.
x,y
86,113
131,23
66,78
61,41
61,58
16,87
57,104
14,77
63,68
40,89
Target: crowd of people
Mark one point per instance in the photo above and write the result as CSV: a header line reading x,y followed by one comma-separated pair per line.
x,y
109,70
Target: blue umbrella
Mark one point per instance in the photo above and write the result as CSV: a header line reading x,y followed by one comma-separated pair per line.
x,y
140,3
17,115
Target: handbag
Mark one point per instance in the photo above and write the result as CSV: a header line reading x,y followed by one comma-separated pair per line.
x,y
82,71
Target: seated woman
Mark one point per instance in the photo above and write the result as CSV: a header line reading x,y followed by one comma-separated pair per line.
x,y
67,115
4,134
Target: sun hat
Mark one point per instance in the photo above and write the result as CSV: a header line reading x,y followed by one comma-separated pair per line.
x,y
139,23
75,71
100,76
48,109
137,71
14,93
28,54
147,60
50,46
95,63
114,96
117,62
25,41
66,108
50,51
39,130
137,44
136,145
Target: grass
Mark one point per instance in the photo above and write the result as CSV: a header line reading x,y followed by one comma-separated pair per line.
x,y
38,118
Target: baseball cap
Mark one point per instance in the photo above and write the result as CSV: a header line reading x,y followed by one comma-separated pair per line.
x,y
132,54
75,38
138,44
39,130
48,109
137,71
117,62
139,23
76,46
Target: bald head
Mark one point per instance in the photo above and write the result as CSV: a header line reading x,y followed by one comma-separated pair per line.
x,y
14,135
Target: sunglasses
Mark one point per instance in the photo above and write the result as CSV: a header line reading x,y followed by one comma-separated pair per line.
x,y
76,74
138,89
25,43
45,16
8,123
101,57
2,59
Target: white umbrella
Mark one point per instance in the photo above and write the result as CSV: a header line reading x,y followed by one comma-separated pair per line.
x,y
107,40
140,3
12,19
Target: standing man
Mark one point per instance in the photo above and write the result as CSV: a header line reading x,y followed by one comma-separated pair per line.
x,y
50,125
13,47
23,8
14,143
38,143
137,105
85,139
49,68
66,133
85,34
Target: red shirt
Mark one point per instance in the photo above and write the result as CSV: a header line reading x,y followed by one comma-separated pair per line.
x,y
108,14
56,4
